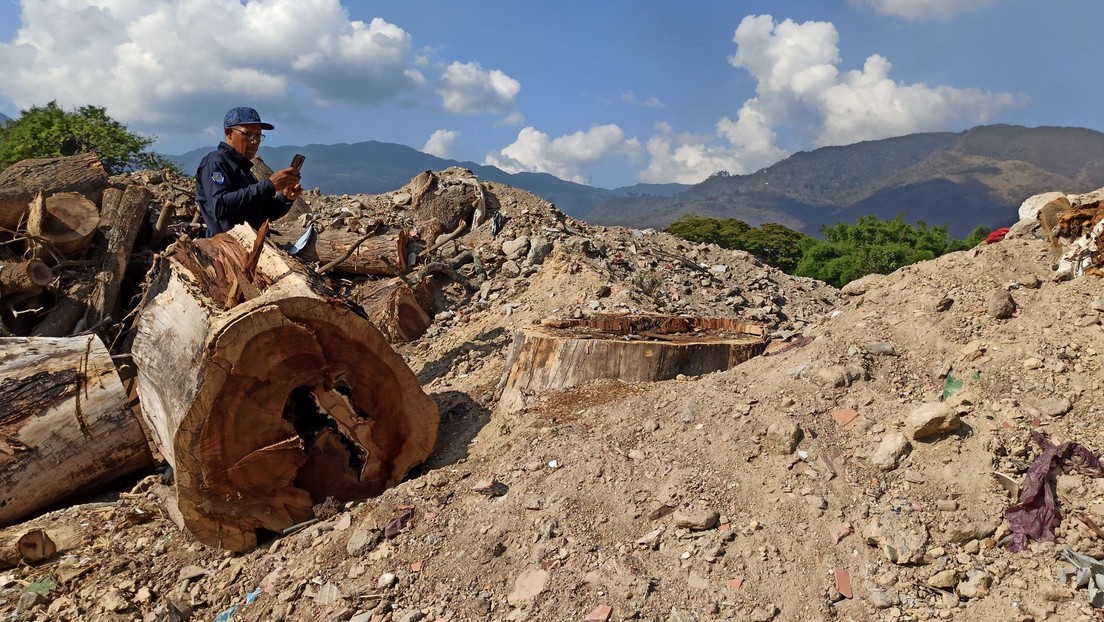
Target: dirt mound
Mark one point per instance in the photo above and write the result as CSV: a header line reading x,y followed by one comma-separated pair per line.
x,y
851,473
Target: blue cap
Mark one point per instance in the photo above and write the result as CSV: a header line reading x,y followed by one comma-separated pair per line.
x,y
243,115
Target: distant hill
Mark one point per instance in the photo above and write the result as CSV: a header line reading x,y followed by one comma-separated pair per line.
x,y
976,177
965,179
373,167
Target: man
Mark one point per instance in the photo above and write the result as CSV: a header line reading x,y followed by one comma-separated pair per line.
x,y
227,192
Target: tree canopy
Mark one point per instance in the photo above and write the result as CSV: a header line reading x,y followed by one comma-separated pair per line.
x,y
50,132
846,251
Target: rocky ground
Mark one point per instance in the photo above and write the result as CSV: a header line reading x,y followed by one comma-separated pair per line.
x,y
826,480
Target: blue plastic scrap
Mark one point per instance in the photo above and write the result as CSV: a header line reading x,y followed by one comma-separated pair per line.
x,y
228,614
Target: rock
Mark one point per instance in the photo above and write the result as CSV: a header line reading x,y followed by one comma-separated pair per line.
x,y
976,584
882,348
528,585
400,199
516,248
931,420
860,286
1030,282
883,599
1029,209
410,616
902,541
696,519
386,580
187,573
890,451
539,249
1054,406
364,538
943,304
782,437
836,376
1001,305
944,579
328,595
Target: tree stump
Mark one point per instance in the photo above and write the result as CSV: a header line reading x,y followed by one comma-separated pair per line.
x,y
393,309
65,221
66,423
20,182
631,348
274,394
23,276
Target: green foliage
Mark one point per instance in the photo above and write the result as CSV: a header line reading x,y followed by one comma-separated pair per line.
x,y
50,132
772,243
846,252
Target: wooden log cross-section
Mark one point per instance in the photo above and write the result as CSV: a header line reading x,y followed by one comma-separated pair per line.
x,y
20,182
268,394
66,424
631,348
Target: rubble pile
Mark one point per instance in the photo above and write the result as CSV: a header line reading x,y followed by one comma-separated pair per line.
x,y
862,469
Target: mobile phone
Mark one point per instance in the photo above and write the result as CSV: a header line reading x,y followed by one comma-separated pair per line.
x,y
297,161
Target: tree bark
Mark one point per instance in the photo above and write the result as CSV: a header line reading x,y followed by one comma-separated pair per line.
x,y
18,277
21,181
275,393
331,244
393,309
68,222
66,425
123,215
631,348
67,312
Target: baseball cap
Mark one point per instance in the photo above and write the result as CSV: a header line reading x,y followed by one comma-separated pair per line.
x,y
244,115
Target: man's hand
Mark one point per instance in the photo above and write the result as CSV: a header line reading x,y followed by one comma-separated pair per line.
x,y
285,178
293,192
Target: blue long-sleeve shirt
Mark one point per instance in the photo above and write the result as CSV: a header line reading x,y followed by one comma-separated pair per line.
x,y
229,195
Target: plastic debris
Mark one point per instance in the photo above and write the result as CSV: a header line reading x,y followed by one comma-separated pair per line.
x,y
1086,572
1034,516
228,614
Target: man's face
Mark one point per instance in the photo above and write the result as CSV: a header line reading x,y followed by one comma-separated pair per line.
x,y
245,139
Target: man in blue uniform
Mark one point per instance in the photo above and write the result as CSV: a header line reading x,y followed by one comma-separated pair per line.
x,y
226,190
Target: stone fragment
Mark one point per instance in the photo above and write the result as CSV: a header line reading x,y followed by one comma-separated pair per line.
x,y
1001,304
931,420
944,579
837,376
902,541
528,585
1054,406
329,594
975,585
539,249
516,248
782,437
890,451
696,519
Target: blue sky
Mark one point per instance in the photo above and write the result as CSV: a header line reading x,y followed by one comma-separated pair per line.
x,y
604,92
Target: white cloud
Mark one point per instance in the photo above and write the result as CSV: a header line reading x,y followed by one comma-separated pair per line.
x,y
923,9
440,143
466,88
565,157
686,159
171,65
652,102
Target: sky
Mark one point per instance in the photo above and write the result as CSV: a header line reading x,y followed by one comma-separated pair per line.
x,y
608,93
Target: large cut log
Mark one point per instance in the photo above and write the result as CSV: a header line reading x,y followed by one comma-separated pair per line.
x,y
631,348
124,213
393,308
274,394
66,424
64,221
369,258
21,181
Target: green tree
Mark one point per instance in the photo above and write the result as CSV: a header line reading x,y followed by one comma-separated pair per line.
x,y
772,243
49,132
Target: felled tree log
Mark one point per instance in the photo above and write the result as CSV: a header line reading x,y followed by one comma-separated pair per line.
x,y
65,221
275,393
365,260
67,311
124,213
630,348
393,309
66,424
30,546
30,275
21,181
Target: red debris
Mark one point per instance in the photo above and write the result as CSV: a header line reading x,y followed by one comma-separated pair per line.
x,y
843,582
846,417
601,613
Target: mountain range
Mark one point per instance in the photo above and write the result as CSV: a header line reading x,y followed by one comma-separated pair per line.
x,y
959,179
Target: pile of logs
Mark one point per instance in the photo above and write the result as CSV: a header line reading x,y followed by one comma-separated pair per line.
x,y
233,358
